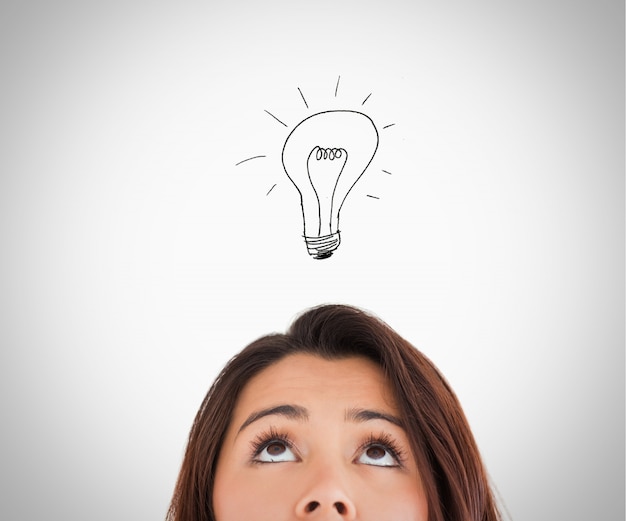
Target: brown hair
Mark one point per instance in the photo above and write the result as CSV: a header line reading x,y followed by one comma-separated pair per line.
x,y
452,472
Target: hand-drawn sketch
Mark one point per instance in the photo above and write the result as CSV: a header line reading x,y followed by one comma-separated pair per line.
x,y
324,156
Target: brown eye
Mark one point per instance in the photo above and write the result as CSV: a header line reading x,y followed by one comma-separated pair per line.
x,y
275,451
276,448
379,455
376,452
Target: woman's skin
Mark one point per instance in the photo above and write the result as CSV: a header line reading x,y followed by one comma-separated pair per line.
x,y
317,439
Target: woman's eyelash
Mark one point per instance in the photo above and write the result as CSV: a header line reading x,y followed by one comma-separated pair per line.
x,y
264,439
386,442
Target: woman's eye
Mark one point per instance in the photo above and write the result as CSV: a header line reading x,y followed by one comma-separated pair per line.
x,y
379,456
275,451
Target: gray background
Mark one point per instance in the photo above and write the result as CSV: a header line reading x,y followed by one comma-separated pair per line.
x,y
136,258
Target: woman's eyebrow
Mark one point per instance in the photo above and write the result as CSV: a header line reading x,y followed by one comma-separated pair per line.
x,y
299,413
362,415
293,412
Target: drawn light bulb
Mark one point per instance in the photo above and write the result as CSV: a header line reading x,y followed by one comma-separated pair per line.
x,y
324,156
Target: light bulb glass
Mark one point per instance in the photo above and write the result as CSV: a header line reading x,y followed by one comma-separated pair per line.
x,y
324,156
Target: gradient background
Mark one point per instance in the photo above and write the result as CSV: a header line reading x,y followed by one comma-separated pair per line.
x,y
136,258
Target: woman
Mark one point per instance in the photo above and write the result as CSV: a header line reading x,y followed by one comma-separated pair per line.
x,y
339,418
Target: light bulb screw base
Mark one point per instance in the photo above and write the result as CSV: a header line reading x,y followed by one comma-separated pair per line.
x,y
322,247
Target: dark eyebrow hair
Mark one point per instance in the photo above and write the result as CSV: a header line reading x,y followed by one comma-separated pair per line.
x,y
293,412
299,413
363,415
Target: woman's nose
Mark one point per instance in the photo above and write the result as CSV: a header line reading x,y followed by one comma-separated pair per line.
x,y
313,509
326,498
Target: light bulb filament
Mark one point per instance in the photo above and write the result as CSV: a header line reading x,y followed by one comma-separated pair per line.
x,y
324,167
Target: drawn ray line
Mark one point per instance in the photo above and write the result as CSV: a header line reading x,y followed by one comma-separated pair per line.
x,y
268,193
307,105
249,159
368,97
387,126
387,172
337,86
372,196
276,118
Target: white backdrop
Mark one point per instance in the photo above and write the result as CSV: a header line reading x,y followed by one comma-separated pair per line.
x,y
137,258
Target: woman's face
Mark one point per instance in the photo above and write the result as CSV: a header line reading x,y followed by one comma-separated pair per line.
x,y
320,440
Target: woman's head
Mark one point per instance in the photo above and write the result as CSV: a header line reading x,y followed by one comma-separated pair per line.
x,y
339,417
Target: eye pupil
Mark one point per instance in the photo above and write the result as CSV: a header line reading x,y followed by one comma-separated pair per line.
x,y
375,452
276,449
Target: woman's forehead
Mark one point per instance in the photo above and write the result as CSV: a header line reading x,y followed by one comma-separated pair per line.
x,y
313,382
